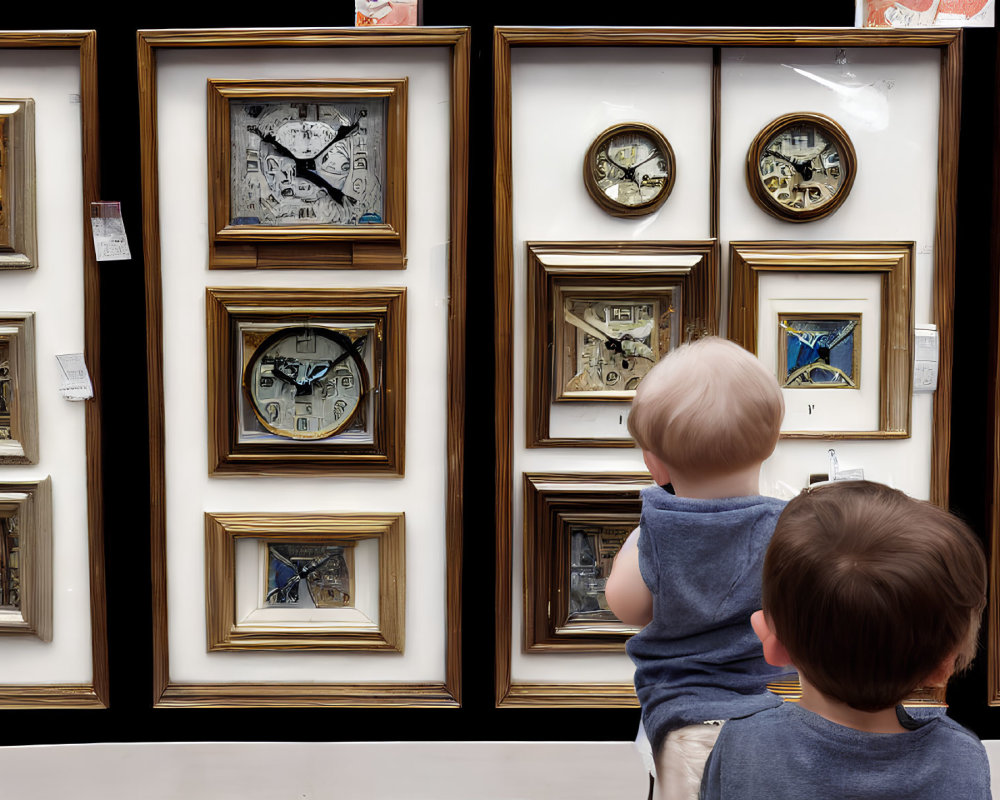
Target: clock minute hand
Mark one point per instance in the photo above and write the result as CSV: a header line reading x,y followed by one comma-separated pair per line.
x,y
342,133
269,138
609,342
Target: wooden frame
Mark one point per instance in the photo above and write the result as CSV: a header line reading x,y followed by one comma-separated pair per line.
x,y
555,507
227,632
947,42
845,150
26,568
602,269
379,312
892,261
18,239
167,692
18,395
246,244
590,179
95,693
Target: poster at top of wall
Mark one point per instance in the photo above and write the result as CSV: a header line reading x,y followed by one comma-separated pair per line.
x,y
924,13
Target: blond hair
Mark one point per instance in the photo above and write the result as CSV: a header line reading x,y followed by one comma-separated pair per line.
x,y
708,408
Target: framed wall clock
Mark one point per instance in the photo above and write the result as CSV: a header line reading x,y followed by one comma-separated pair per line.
x,y
629,169
801,167
18,241
306,381
279,581
307,173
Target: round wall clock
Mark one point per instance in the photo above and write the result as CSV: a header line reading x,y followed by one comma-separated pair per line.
x,y
629,169
306,383
800,167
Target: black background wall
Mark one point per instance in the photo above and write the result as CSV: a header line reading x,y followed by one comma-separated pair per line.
x,y
131,716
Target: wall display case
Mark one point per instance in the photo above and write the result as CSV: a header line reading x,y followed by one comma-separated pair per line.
x,y
18,239
52,592
327,150
790,143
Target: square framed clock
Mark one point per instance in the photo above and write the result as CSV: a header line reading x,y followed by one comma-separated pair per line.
x,y
18,240
306,382
305,581
307,173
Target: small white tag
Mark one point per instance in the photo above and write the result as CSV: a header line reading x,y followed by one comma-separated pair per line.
x,y
74,380
110,241
925,358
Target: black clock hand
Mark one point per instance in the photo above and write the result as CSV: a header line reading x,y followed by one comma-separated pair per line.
x,y
630,172
315,565
303,169
269,138
342,133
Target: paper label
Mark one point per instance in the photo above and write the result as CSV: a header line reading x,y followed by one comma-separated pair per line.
x,y
110,241
74,379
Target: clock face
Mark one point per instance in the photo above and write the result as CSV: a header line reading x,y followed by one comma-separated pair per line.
x,y
801,167
307,163
629,169
306,383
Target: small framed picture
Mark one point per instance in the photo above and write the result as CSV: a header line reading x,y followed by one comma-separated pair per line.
x,y
574,525
306,381
18,401
26,559
819,351
18,239
305,581
834,320
599,316
307,173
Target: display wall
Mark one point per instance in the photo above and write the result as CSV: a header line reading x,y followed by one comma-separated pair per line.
x,y
134,594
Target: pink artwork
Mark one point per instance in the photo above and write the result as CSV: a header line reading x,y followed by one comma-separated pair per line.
x,y
924,13
386,12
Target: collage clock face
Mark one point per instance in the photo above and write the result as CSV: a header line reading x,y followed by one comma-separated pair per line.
x,y
306,383
801,167
629,169
307,163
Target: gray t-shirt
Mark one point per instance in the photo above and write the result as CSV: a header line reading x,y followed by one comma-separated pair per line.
x,y
699,659
789,752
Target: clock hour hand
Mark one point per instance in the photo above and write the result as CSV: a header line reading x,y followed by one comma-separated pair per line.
x,y
342,133
269,138
290,370
303,169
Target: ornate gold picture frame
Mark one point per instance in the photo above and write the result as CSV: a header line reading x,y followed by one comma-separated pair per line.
x,y
573,528
891,263
306,382
26,559
600,314
18,240
18,397
314,582
307,173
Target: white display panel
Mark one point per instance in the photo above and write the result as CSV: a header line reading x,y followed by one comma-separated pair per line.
x,y
887,100
421,494
54,292
560,101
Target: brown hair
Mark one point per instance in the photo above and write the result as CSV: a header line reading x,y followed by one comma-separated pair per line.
x,y
708,407
870,590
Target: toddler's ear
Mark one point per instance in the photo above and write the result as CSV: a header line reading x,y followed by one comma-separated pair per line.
x,y
659,471
775,653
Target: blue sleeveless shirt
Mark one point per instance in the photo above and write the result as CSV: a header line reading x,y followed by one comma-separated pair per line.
x,y
699,659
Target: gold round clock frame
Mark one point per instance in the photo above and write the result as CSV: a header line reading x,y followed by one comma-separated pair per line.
x,y
342,340
834,133
590,179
